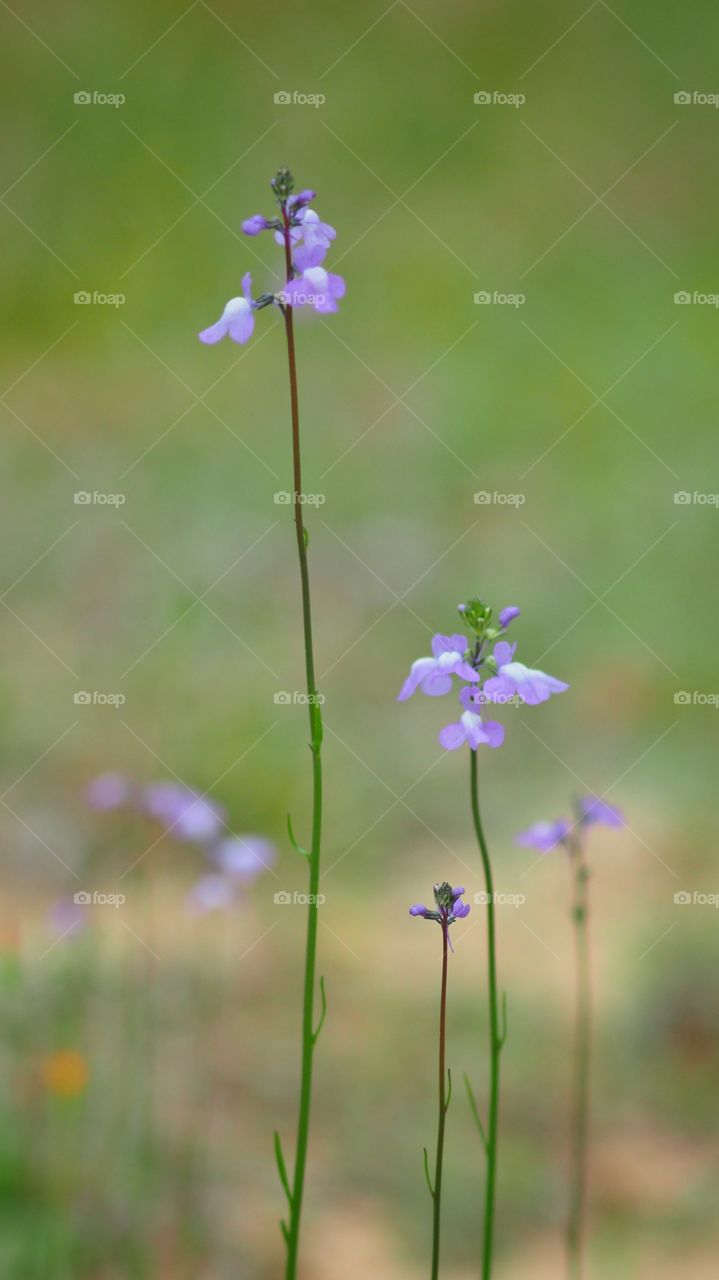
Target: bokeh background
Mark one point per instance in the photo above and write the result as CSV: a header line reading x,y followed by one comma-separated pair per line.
x,y
147,1052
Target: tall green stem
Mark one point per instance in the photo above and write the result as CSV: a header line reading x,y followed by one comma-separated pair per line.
x,y
443,1105
496,1038
309,1035
581,1067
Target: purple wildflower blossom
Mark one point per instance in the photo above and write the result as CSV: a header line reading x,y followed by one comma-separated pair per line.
x,y
447,908
315,287
597,811
434,675
188,815
508,615
254,225
545,836
514,679
244,857
470,727
108,791
237,320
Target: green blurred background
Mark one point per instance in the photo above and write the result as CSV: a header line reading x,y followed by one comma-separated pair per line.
x,y
146,1059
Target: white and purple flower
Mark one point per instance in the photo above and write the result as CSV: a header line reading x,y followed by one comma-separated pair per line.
x,y
237,320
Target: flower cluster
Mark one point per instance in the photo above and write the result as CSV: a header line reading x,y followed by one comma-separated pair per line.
x,y
305,239
448,907
190,817
590,811
485,663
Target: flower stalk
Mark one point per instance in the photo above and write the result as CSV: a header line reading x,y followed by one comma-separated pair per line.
x,y
489,1134
579,1144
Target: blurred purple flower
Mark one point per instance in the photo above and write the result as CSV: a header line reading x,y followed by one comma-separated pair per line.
x,y
434,675
108,791
598,811
244,857
237,319
211,893
545,836
508,615
186,814
67,917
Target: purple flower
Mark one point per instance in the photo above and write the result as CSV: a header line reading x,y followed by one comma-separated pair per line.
x,y
545,836
254,225
315,287
471,728
303,197
237,320
244,857
508,615
514,679
108,791
594,810
188,815
211,893
315,233
447,908
434,675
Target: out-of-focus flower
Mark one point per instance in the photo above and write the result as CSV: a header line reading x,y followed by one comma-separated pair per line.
x,y
594,810
67,917
186,814
434,675
254,225
508,615
65,1073
108,791
211,893
244,857
545,836
237,320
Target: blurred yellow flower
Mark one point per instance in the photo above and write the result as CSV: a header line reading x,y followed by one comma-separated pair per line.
x,y
65,1073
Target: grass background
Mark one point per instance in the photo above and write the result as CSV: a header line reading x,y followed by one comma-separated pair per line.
x,y
594,400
